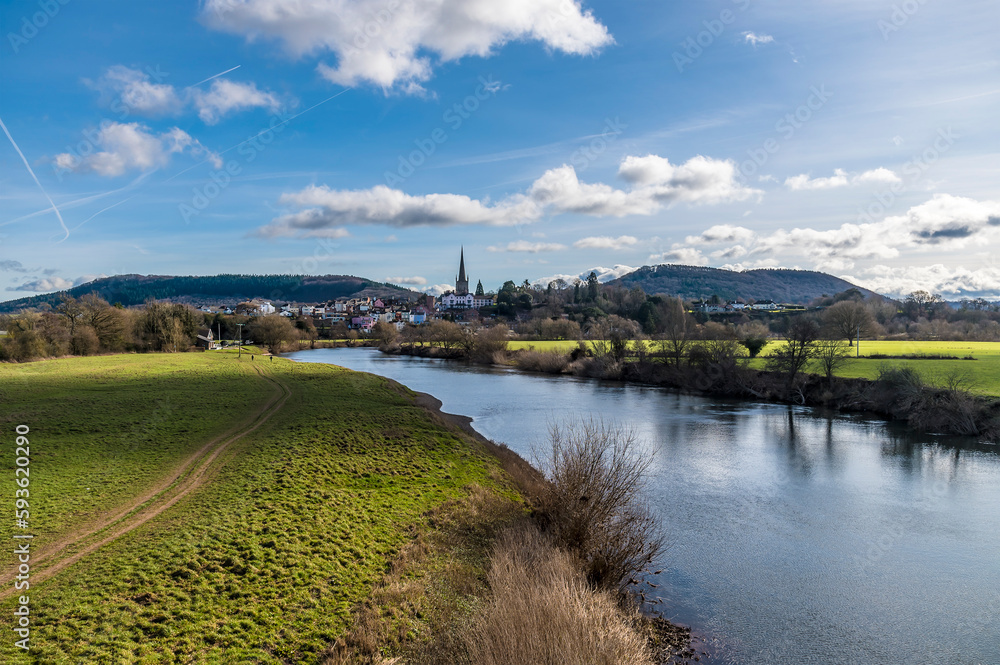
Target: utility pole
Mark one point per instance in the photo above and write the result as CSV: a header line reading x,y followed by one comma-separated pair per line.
x,y
240,326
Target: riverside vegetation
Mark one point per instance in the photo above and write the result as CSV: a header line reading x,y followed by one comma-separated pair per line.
x,y
202,508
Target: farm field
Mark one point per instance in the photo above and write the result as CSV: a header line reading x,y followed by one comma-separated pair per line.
x,y
981,375
257,552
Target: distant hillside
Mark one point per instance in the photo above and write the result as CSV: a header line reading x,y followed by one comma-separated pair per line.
x,y
693,283
132,290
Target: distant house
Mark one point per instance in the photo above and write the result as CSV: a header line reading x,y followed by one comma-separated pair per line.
x,y
766,305
205,339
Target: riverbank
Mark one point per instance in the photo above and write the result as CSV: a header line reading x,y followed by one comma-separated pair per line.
x,y
896,394
219,509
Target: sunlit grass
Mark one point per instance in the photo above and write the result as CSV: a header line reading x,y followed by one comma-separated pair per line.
x,y
264,563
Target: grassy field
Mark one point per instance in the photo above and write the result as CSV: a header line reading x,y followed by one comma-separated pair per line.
x,y
981,375
263,563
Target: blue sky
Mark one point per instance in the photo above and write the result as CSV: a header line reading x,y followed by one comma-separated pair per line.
x,y
549,137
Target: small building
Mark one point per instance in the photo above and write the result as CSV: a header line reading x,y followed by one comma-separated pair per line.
x,y
205,339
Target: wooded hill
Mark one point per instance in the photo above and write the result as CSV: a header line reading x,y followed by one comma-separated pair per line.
x,y
132,290
695,283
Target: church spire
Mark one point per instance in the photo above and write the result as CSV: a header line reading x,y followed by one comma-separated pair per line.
x,y
462,283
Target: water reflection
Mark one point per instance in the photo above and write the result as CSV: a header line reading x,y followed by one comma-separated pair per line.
x,y
797,536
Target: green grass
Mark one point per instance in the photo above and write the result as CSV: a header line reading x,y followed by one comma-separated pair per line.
x,y
981,375
264,564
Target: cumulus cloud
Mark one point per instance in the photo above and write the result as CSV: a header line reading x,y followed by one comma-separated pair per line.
x,y
327,207
841,178
9,265
438,289
687,256
528,247
603,275
409,281
950,282
655,183
227,96
397,44
606,242
54,284
134,147
753,38
944,223
137,93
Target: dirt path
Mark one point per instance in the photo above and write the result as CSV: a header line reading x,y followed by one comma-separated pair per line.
x,y
189,476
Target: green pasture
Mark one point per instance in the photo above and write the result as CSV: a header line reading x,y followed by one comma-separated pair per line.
x,y
261,565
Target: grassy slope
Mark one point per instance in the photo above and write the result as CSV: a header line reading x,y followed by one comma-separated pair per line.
x,y
983,373
264,564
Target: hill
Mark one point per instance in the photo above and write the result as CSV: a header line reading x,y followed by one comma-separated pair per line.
x,y
778,284
132,290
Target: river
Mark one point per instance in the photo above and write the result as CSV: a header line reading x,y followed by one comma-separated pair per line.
x,y
795,535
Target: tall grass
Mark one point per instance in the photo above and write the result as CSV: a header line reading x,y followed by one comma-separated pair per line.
x,y
542,611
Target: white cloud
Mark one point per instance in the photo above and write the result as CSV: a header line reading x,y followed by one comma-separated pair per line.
x,y
396,44
528,247
409,281
753,39
606,242
438,289
687,256
951,282
137,93
722,233
655,183
133,147
841,178
226,96
800,182
381,205
47,284
603,275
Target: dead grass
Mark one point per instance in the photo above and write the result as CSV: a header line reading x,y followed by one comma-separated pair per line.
x,y
542,612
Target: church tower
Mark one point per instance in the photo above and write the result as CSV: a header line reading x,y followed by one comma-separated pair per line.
x,y
462,282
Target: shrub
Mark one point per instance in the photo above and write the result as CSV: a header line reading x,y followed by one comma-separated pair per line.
x,y
594,505
550,362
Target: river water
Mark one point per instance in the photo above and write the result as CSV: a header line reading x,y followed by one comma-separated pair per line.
x,y
796,535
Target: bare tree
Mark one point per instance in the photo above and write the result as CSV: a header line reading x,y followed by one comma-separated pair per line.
x,y
849,319
678,327
831,355
797,350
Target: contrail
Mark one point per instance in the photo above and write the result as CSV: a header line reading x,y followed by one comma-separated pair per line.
x,y
287,120
81,201
35,178
215,77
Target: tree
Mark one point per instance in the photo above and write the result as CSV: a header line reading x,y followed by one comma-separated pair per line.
x,y
677,329
849,319
272,331
831,354
384,333
753,336
592,287
797,350
610,336
479,288
73,310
